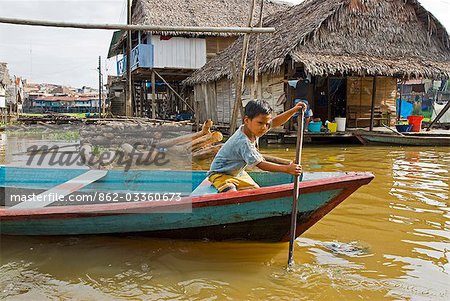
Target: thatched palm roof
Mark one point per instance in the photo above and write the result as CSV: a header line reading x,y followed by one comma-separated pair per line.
x,y
216,13
200,13
365,37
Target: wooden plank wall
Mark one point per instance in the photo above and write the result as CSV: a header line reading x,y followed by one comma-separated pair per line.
x,y
216,100
387,92
359,91
214,45
272,88
199,98
269,87
211,101
225,100
206,101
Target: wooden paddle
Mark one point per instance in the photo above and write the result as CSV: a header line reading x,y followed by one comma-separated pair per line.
x,y
298,159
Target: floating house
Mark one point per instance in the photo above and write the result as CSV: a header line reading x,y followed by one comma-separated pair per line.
x,y
173,55
343,46
63,104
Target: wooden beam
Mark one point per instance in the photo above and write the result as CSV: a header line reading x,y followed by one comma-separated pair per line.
x,y
153,95
142,99
372,110
130,27
399,116
241,75
129,95
256,73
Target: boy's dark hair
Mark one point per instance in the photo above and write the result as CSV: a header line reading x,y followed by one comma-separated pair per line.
x,y
256,107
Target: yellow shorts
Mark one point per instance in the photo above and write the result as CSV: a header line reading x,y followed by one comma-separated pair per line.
x,y
224,182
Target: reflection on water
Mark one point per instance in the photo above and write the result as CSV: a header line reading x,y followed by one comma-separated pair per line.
x,y
389,240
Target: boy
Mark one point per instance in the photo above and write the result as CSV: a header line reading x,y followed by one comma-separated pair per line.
x,y
227,169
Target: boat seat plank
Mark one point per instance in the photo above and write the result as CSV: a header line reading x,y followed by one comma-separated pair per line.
x,y
205,187
48,197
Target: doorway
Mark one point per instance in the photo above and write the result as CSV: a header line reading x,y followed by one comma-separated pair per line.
x,y
337,97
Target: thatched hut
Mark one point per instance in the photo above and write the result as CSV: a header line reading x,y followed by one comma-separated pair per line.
x,y
342,44
176,55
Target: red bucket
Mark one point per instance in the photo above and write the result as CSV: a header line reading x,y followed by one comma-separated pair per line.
x,y
416,122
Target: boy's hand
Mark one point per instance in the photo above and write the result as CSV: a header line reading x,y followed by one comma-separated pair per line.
x,y
300,106
294,169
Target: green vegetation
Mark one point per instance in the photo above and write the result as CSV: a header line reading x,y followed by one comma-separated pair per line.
x,y
426,115
31,114
65,136
76,115
96,150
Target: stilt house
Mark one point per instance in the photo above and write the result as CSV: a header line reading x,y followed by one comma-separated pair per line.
x,y
173,55
342,45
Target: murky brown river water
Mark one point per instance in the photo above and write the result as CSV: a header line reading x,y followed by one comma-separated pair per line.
x,y
389,240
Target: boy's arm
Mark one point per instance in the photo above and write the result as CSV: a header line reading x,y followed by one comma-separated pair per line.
x,y
292,168
283,117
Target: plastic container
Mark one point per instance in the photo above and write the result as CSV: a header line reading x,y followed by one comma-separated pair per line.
x,y
332,126
416,122
341,122
403,128
314,127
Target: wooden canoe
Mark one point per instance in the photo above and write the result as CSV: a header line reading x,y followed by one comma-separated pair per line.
x,y
201,213
410,139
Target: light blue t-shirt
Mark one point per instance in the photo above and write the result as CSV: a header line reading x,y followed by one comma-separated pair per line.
x,y
235,155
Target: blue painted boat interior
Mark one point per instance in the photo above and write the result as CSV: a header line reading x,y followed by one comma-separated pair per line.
x,y
183,182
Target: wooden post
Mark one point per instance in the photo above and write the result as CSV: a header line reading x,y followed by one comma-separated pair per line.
x,y
153,95
234,74
129,99
197,120
144,98
100,87
399,116
374,92
135,100
241,75
255,83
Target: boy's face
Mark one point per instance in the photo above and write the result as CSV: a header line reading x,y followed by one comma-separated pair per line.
x,y
259,124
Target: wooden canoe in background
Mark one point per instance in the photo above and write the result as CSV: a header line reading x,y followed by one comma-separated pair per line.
x,y
201,213
411,139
